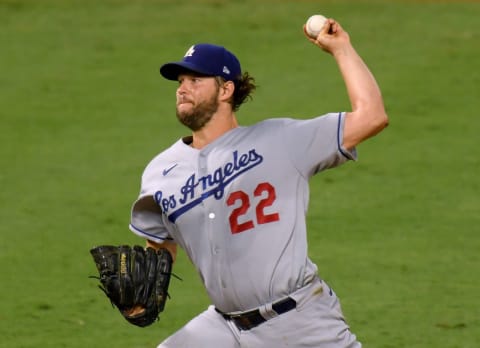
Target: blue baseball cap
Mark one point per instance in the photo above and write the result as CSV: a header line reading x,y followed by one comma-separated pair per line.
x,y
205,59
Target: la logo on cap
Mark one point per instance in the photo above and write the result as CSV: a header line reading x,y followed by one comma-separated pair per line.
x,y
190,52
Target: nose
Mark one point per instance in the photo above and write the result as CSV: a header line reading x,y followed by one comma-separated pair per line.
x,y
181,87
181,92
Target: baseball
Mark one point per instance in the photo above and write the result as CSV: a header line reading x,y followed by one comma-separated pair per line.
x,y
315,24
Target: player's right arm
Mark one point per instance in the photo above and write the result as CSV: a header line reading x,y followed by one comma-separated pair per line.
x,y
146,221
368,116
172,249
170,246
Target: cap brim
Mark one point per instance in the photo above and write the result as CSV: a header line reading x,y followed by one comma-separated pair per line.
x,y
171,70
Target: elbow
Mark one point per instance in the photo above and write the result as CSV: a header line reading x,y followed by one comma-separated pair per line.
x,y
380,121
361,125
383,120
377,123
372,114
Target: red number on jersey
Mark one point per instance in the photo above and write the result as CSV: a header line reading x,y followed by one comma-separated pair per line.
x,y
241,210
263,218
244,199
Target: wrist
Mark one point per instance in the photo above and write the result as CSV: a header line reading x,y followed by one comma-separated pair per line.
x,y
343,51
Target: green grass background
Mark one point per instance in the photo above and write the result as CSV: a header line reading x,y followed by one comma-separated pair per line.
x,y
83,109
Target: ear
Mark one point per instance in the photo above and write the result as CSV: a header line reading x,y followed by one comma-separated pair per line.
x,y
226,91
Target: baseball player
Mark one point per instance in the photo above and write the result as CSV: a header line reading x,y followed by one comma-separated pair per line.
x,y
235,199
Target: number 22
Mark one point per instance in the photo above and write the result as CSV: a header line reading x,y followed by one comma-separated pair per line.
x,y
262,218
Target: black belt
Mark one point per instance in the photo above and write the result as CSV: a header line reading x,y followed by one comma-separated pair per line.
x,y
251,319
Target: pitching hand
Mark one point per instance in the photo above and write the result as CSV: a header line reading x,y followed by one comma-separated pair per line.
x,y
332,38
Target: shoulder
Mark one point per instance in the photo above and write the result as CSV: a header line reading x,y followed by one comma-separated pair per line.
x,y
269,125
288,123
176,153
274,122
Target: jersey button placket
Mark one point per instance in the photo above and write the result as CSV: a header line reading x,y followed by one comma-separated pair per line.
x,y
214,235
215,248
202,163
215,242
202,171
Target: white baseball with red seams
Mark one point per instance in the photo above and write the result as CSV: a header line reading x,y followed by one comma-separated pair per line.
x,y
315,24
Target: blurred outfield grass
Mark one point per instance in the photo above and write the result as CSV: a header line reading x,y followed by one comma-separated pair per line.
x,y
83,109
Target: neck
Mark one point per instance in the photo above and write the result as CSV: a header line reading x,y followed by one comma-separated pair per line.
x,y
215,128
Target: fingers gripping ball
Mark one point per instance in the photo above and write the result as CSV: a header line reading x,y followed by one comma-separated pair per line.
x,y
135,280
314,25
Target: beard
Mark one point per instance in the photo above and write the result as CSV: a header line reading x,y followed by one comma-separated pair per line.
x,y
199,115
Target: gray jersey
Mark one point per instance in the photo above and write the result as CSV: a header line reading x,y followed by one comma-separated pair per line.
x,y
237,206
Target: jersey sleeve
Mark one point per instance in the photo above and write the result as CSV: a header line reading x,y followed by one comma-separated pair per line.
x,y
146,218
316,144
147,221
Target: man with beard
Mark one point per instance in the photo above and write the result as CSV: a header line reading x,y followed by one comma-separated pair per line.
x,y
235,199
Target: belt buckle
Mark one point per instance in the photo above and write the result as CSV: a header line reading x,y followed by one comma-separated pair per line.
x,y
242,322
247,321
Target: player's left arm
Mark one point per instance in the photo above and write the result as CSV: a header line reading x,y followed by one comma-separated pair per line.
x,y
368,116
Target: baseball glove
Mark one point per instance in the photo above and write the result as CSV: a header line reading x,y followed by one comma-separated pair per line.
x,y
134,279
